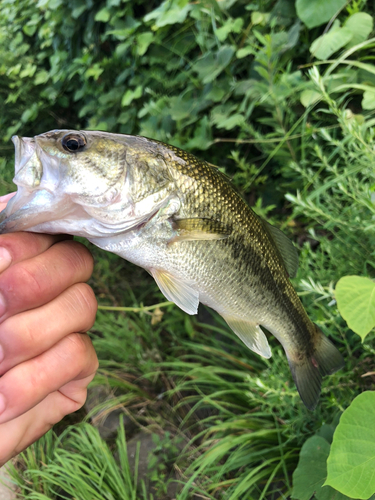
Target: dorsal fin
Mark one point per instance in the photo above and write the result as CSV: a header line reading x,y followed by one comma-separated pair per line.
x,y
286,248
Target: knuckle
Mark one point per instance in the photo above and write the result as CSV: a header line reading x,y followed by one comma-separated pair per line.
x,y
78,345
79,258
85,357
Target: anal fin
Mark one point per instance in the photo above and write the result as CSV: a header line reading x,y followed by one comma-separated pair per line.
x,y
251,335
177,290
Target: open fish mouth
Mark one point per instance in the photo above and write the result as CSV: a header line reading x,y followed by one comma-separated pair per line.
x,y
35,202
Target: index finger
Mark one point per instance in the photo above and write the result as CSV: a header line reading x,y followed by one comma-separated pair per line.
x,y
16,247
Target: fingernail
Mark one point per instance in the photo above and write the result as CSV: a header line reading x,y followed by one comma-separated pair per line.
x,y
2,404
2,305
5,259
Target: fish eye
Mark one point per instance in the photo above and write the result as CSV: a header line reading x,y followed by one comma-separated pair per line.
x,y
73,142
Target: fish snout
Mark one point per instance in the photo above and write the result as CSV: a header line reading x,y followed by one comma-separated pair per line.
x,y
28,167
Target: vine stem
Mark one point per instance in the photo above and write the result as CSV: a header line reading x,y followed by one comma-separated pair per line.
x,y
135,309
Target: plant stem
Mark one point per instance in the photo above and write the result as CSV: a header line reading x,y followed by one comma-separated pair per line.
x,y
135,309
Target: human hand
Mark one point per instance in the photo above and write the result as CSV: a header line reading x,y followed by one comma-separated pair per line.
x,y
46,358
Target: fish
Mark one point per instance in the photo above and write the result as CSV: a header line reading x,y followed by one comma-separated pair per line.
x,y
181,219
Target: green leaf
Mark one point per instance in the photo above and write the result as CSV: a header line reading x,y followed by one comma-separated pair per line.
x,y
211,65
351,462
360,24
309,97
231,26
355,297
30,30
143,42
169,12
316,12
245,51
77,11
103,15
41,77
259,18
130,95
95,71
30,113
329,43
368,101
28,71
311,472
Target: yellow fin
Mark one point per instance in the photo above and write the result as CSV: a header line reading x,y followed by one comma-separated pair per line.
x,y
251,335
176,290
286,248
199,229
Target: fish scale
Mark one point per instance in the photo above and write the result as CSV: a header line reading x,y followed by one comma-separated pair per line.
x,y
181,219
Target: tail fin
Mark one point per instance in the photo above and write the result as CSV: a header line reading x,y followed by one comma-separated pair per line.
x,y
308,373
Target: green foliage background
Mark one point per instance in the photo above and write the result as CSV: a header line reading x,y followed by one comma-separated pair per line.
x,y
279,94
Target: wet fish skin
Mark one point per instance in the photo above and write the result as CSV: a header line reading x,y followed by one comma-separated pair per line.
x,y
178,217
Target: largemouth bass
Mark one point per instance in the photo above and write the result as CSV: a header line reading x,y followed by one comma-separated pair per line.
x,y
180,219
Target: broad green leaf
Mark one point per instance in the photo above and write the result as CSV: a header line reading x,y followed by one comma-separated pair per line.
x,y
311,472
130,95
30,30
360,24
95,71
316,12
77,11
41,77
329,43
169,12
259,18
368,101
143,42
30,113
309,97
355,297
351,462
28,71
103,15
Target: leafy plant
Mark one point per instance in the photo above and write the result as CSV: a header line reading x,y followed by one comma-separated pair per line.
x,y
352,458
355,297
311,473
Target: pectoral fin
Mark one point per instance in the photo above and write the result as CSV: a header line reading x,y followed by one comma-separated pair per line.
x,y
176,290
199,229
251,335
